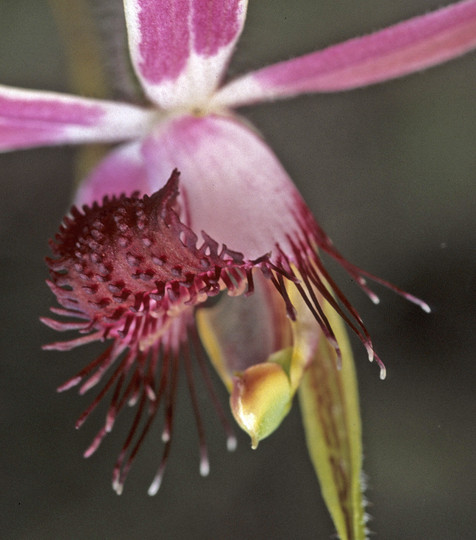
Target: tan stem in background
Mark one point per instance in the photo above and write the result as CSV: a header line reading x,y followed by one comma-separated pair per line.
x,y
83,54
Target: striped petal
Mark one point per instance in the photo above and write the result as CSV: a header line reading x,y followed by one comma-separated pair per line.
x,y
180,48
407,47
231,182
34,118
222,194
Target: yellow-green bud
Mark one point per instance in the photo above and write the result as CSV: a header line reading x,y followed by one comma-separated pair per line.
x,y
260,399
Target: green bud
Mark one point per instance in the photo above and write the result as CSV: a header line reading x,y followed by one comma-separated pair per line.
x,y
260,399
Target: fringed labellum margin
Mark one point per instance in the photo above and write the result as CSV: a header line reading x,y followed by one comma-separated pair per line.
x,y
129,270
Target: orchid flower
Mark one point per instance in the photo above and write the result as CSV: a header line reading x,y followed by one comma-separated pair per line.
x,y
193,204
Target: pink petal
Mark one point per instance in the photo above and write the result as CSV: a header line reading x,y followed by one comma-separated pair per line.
x,y
34,118
249,204
180,48
232,186
121,171
398,50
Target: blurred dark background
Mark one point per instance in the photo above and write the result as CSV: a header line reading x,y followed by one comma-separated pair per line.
x,y
389,172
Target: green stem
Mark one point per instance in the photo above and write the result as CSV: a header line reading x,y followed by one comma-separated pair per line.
x,y
86,68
